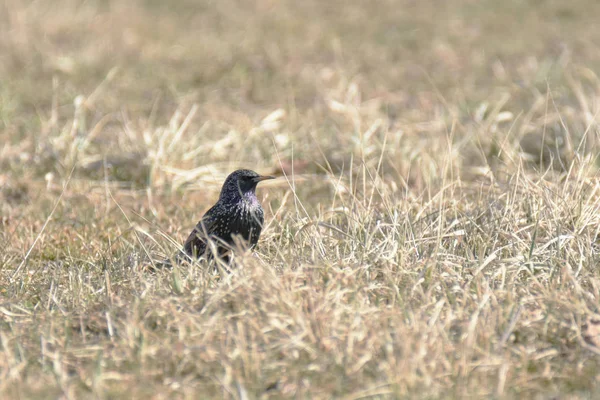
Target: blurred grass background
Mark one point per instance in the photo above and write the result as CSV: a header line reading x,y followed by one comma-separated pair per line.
x,y
239,61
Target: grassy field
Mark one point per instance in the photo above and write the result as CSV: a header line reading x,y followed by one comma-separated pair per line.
x,y
433,233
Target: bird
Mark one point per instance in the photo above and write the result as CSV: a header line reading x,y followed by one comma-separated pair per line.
x,y
237,214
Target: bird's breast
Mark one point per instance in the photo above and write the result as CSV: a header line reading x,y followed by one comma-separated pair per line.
x,y
246,220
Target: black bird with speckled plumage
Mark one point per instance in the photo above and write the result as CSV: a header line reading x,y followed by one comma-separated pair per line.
x,y
238,213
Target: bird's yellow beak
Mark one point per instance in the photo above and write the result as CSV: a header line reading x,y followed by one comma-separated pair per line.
x,y
263,178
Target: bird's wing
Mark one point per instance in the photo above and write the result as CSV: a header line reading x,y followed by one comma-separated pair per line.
x,y
196,242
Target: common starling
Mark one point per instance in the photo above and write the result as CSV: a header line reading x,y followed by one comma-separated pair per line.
x,y
237,214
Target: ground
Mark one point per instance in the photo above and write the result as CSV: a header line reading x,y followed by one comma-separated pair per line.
x,y
433,232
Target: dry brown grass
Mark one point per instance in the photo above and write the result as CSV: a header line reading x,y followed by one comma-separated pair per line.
x,y
434,232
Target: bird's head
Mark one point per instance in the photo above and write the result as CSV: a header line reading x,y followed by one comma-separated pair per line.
x,y
242,183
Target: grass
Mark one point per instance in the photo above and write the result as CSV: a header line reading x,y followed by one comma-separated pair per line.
x,y
433,233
